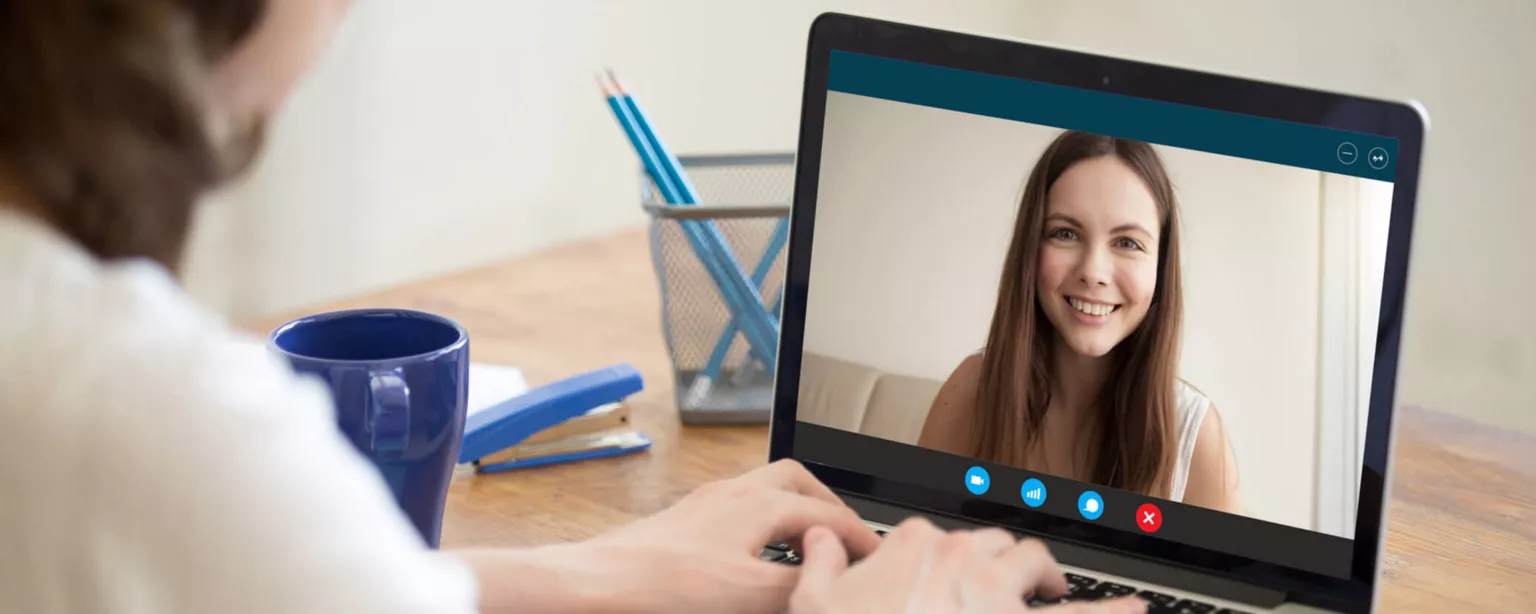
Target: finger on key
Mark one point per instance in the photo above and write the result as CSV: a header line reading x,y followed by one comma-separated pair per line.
x,y
1032,570
795,514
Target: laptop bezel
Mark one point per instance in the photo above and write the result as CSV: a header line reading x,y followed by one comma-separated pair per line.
x,y
1073,68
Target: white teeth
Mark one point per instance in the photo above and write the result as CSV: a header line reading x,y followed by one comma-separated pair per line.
x,y
1093,309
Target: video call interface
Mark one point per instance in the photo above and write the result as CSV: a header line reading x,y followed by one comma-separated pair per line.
x,y
1121,332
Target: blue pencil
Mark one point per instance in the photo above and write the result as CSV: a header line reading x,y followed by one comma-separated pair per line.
x,y
760,274
758,325
714,254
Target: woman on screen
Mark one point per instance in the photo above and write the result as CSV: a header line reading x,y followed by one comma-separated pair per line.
x,y
1079,377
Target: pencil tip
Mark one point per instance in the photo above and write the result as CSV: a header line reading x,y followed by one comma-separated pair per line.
x,y
618,87
602,82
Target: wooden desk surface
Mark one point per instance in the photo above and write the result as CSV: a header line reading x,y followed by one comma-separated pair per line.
x,y
1462,534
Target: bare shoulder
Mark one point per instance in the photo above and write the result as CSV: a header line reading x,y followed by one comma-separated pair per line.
x,y
1213,467
1211,442
962,382
948,425
1211,434
967,373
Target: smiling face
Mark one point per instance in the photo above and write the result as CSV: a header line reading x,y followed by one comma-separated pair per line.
x,y
1099,254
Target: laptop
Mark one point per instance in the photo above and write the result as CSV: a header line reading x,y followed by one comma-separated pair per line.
x,y
1147,314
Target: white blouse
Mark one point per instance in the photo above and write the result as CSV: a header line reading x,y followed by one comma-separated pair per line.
x,y
154,460
1190,412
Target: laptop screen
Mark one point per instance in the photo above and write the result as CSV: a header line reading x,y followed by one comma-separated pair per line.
x,y
1156,318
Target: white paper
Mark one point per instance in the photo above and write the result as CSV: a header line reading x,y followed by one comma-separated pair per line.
x,y
491,384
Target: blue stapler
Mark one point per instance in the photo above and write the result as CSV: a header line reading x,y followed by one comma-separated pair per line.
x,y
492,436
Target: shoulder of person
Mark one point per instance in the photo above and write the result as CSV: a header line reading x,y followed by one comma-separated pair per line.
x,y
1187,394
965,379
1211,444
139,345
1213,474
948,423
194,451
114,359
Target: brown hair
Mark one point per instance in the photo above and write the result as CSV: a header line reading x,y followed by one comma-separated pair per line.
x,y
1131,433
104,117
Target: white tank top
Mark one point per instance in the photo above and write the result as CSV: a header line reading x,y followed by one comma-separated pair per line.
x,y
1189,411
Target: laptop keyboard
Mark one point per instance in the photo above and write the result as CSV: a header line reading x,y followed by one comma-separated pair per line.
x,y
1079,588
779,553
1084,588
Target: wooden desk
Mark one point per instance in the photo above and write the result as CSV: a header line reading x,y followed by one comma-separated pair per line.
x,y
1463,499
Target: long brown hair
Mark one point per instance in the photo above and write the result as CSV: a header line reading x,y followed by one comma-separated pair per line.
x,y
1131,434
104,115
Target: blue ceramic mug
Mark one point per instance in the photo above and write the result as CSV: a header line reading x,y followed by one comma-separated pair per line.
x,y
400,380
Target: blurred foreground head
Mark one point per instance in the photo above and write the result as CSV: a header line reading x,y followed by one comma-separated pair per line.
x,y
116,115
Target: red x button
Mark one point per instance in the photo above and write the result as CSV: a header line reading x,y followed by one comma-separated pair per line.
x,y
1149,518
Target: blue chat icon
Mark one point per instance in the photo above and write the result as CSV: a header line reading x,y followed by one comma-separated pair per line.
x,y
1090,505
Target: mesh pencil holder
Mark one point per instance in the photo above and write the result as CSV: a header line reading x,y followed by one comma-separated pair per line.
x,y
720,375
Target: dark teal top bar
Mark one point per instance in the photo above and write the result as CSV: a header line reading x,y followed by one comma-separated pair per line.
x,y
1233,134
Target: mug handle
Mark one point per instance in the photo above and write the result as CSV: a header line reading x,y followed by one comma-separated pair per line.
x,y
389,418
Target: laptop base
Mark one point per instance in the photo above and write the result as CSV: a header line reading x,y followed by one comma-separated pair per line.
x,y
1101,564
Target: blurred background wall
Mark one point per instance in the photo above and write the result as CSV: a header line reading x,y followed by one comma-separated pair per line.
x,y
443,135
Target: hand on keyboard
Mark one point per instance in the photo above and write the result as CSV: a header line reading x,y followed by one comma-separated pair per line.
x,y
702,553
920,568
